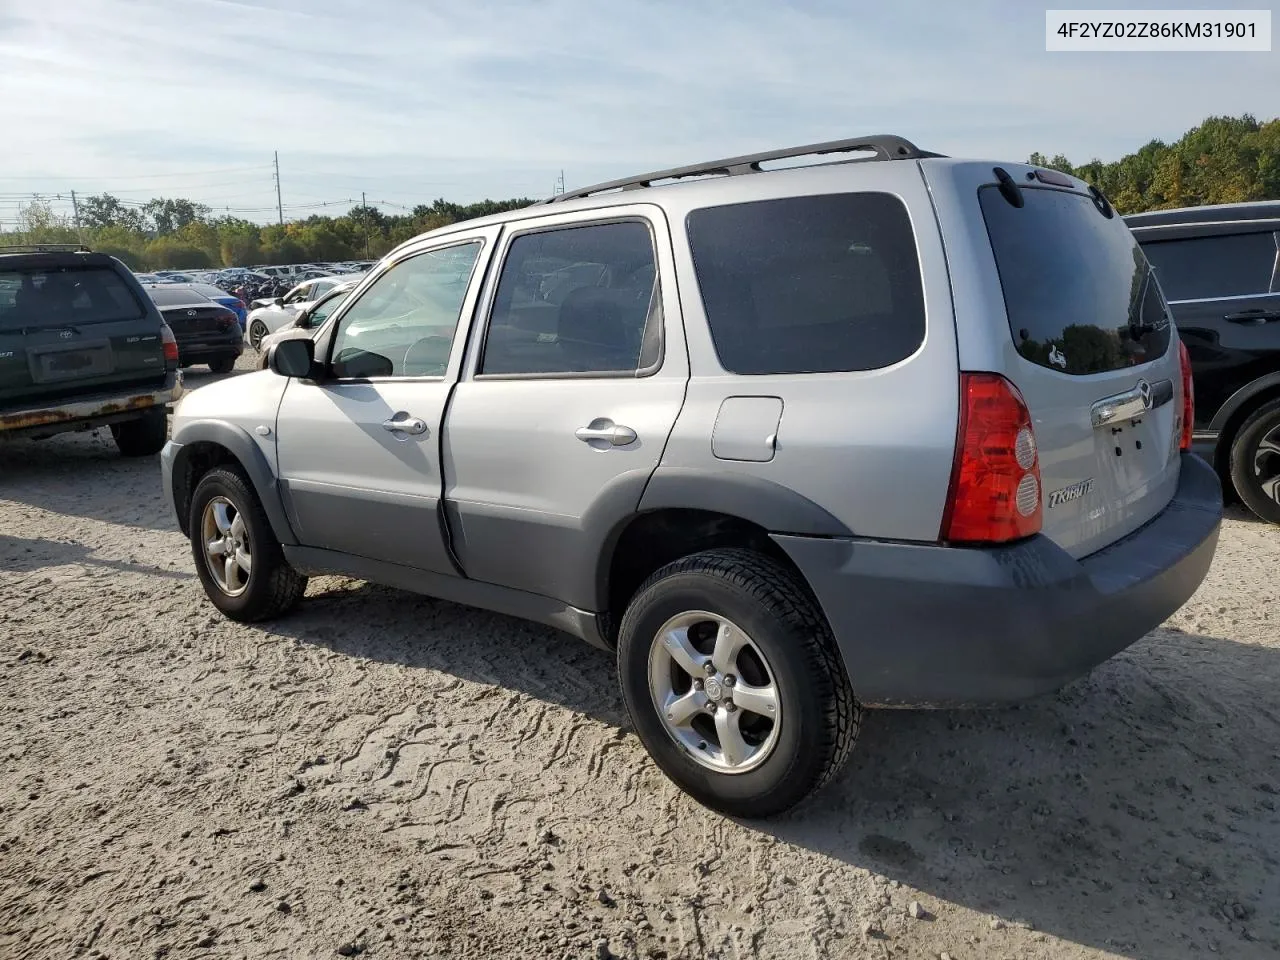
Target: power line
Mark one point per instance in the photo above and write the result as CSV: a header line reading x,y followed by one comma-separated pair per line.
x,y
139,176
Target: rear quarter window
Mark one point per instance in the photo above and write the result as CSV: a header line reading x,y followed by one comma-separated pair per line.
x,y
817,284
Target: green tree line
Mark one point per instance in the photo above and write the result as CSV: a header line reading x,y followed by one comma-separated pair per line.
x,y
1223,160
177,233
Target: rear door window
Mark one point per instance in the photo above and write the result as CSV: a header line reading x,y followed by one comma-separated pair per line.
x,y
57,297
809,284
1209,268
1077,289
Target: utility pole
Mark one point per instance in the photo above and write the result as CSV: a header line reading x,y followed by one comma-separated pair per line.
x,y
75,212
364,215
279,204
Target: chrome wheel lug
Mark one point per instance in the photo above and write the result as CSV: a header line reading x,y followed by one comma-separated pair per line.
x,y
697,684
708,668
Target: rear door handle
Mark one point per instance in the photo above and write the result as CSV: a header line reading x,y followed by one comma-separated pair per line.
x,y
604,430
403,423
1253,316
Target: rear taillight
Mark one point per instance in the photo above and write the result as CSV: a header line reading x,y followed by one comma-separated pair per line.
x,y
170,345
1188,398
995,480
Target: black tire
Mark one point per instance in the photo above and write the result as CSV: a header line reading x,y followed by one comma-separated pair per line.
x,y
1246,450
819,718
257,330
273,587
223,364
143,437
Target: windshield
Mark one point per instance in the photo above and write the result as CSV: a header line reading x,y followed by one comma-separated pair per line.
x,y
1077,288
67,296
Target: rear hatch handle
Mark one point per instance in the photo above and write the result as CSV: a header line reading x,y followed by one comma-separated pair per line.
x,y
1253,316
1132,403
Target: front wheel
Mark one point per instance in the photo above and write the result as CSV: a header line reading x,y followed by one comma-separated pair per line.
x,y
1255,462
238,558
223,364
257,330
734,684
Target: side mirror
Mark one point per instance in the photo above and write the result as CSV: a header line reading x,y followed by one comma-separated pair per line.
x,y
293,358
277,301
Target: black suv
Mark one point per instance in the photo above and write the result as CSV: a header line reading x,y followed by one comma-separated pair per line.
x,y
82,346
1219,267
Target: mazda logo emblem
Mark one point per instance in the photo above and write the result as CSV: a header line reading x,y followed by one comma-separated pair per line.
x,y
1144,391
192,313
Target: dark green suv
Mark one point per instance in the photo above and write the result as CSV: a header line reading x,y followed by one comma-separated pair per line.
x,y
82,346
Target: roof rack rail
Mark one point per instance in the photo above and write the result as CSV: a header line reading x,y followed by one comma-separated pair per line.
x,y
886,146
44,248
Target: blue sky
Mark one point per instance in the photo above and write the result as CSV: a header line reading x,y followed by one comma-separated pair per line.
x,y
409,101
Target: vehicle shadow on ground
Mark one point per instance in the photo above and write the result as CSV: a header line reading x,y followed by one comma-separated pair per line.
x,y
84,475
1238,511
1072,813
23,555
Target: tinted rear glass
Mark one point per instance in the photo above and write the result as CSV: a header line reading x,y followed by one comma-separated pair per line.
x,y
1205,268
809,284
1077,288
64,296
172,296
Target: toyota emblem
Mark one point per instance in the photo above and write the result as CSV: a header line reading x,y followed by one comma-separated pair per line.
x,y
1144,391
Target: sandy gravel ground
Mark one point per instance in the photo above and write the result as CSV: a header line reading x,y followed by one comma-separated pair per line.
x,y
384,775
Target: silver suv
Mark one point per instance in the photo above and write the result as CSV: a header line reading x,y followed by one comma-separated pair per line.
x,y
894,430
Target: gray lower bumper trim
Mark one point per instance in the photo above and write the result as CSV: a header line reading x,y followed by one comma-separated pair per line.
x,y
927,625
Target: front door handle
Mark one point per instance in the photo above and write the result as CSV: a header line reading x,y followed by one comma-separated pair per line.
x,y
603,431
1253,316
403,423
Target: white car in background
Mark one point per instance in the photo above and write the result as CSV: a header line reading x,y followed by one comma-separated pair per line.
x,y
309,321
280,312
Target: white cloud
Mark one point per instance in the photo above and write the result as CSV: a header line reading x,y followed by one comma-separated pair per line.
x,y
410,101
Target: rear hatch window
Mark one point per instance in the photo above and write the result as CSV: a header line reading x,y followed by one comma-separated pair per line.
x,y
1078,292
809,284
32,299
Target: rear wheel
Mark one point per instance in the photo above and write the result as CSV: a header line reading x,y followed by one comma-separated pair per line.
x,y
237,557
734,684
1255,462
223,364
257,330
143,437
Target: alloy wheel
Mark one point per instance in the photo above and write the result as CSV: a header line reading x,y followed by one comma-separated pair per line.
x,y
714,692
1266,464
227,551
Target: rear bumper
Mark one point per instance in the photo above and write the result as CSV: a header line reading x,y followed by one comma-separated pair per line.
x,y
85,413
925,625
211,346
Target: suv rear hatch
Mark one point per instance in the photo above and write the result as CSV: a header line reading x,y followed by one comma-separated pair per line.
x,y
1053,292
71,325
